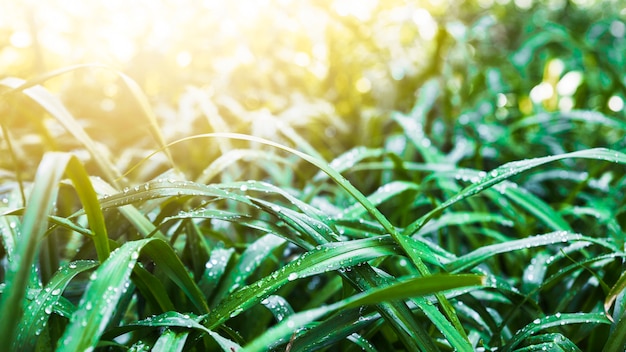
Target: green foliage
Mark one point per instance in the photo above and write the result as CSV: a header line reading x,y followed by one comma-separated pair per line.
x,y
468,198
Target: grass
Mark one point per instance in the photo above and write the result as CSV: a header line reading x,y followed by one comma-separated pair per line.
x,y
459,223
169,263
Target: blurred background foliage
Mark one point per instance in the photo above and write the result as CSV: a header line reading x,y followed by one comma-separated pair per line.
x,y
333,71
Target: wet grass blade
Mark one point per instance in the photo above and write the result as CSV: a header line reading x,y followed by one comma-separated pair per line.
x,y
379,196
55,108
171,341
554,321
40,204
249,260
330,257
234,155
350,189
110,281
40,308
402,290
509,170
99,301
481,254
349,159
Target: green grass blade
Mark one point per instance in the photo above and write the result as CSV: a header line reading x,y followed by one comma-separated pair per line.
x,y
55,108
171,341
166,259
615,291
593,117
617,339
348,187
379,196
40,308
215,269
109,282
463,218
419,286
554,321
549,342
535,206
481,254
99,301
278,306
177,320
39,206
349,159
232,156
330,257
410,288
511,169
250,259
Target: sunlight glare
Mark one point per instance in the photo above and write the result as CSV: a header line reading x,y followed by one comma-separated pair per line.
x,y
569,83
541,92
361,9
20,39
184,58
616,103
426,25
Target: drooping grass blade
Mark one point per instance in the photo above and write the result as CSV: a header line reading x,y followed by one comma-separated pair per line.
x,y
39,206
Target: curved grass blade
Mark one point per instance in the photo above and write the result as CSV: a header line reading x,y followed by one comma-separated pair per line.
x,y
558,319
549,342
481,254
379,196
316,162
325,258
166,259
109,282
232,156
464,218
348,187
318,232
55,108
250,259
535,206
40,308
76,129
279,307
336,328
511,169
410,288
586,116
167,187
175,319
349,159
40,204
419,286
100,298
616,289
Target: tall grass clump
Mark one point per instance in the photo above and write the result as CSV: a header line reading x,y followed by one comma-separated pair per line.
x,y
475,218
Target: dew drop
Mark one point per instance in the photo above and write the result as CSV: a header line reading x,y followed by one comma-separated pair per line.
x,y
236,312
